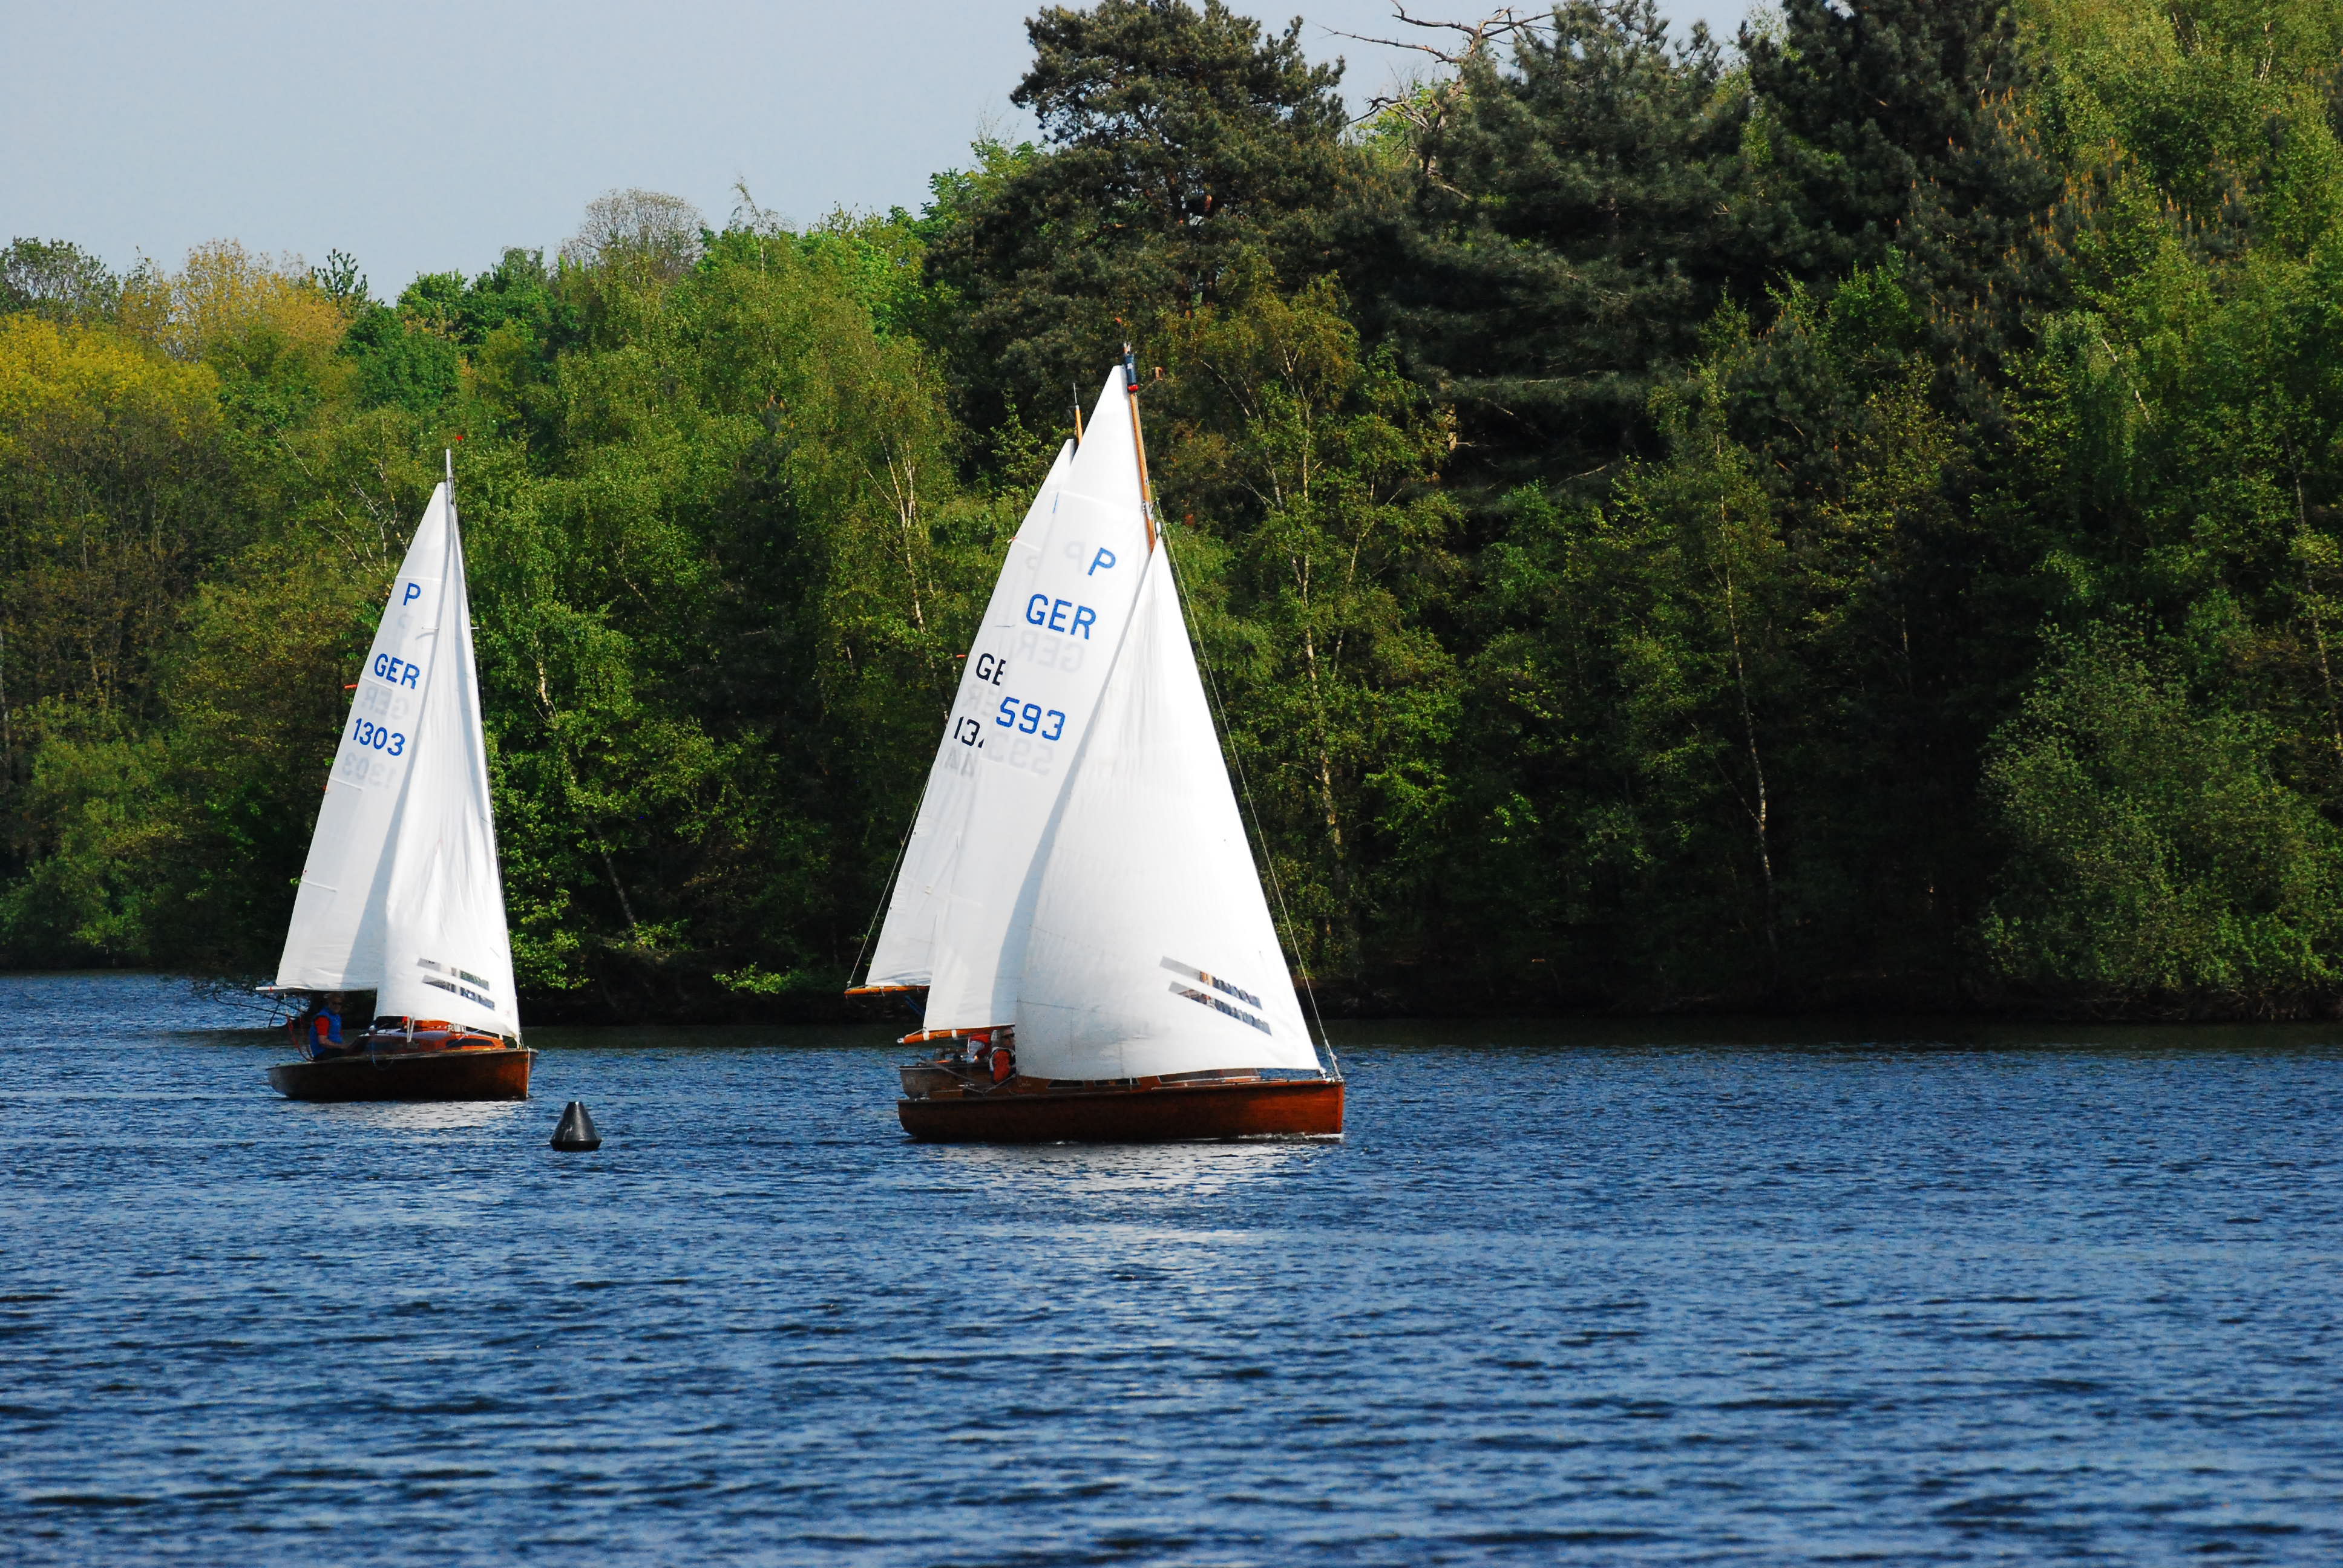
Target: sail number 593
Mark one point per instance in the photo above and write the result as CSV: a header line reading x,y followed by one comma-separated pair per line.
x,y
366,732
1026,718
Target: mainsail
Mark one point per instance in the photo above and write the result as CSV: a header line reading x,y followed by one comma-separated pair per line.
x,y
1147,947
400,894
904,956
1062,608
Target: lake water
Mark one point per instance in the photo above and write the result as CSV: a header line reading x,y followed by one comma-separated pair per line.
x,y
1567,1293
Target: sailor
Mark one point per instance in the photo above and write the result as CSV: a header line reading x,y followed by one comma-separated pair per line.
x,y
325,1025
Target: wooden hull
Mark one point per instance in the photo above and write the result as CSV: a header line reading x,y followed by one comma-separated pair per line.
x,y
500,1075
1145,1113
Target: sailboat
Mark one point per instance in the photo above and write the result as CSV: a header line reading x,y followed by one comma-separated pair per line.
x,y
400,896
1077,902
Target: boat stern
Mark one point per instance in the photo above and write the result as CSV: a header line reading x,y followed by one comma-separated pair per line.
x,y
1145,1111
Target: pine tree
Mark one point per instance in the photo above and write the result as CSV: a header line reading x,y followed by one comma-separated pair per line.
x,y
1572,233
1177,142
1908,124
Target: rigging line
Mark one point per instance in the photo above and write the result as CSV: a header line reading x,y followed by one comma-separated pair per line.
x,y
887,890
1245,786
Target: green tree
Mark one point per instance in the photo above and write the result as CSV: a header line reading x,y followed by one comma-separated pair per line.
x,y
1178,142
2154,851
1573,227
1313,539
58,279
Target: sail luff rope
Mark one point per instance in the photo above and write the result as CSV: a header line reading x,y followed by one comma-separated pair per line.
x,y
1229,745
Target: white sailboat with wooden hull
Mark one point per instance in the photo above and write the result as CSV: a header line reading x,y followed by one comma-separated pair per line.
x,y
400,897
1077,898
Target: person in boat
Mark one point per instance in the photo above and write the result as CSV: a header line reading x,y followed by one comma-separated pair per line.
x,y
991,1060
318,1030
982,1058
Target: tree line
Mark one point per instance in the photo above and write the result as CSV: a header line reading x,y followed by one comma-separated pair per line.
x,y
1852,517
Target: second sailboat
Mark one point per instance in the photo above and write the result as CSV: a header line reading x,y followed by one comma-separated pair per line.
x,y
1078,902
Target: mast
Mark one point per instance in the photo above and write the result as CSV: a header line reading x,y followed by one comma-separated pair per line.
x,y
1139,444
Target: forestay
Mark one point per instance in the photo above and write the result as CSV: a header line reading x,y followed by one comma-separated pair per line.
x,y
401,894
1149,948
1064,605
905,953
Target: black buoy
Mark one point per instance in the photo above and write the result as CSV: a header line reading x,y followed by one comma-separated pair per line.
x,y
575,1135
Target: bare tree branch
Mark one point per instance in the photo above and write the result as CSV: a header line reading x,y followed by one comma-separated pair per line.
x,y
1478,35
1426,108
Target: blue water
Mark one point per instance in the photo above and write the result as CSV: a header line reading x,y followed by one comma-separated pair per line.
x,y
1614,1295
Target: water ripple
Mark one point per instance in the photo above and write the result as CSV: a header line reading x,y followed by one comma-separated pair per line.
x,y
1628,1294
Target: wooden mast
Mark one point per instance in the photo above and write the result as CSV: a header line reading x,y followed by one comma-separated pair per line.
x,y
1139,443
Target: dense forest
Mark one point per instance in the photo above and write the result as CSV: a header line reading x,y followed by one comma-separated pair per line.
x,y
1851,515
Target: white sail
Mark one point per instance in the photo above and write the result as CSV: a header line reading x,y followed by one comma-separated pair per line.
x,y
335,943
905,953
1150,948
447,951
1068,590
401,895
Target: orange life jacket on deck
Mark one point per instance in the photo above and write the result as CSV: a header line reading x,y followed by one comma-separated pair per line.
x,y
1003,1063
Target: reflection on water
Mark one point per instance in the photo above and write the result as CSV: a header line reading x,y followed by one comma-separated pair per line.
x,y
1073,1171
1683,1292
396,1117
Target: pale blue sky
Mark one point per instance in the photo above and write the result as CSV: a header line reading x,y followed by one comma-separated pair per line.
x,y
427,135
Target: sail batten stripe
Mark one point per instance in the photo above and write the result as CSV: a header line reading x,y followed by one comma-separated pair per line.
x,y
1217,1005
1216,981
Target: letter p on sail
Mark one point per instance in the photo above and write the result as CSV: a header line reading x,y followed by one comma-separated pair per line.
x,y
1105,557
413,591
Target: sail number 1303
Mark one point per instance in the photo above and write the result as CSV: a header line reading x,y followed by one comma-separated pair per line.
x,y
366,732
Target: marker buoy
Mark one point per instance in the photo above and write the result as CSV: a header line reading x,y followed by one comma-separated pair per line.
x,y
575,1135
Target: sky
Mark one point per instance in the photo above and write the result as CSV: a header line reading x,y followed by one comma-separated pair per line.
x,y
426,134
